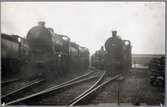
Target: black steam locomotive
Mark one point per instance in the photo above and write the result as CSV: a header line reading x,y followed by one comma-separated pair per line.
x,y
53,54
117,55
98,59
46,55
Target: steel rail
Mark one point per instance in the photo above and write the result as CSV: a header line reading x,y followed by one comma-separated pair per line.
x,y
9,81
10,99
77,78
94,89
22,88
95,84
54,88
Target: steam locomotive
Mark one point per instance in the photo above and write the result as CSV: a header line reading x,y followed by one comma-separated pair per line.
x,y
98,59
117,55
48,55
54,55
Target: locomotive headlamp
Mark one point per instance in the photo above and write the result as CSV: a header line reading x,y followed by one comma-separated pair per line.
x,y
65,38
19,39
126,43
59,55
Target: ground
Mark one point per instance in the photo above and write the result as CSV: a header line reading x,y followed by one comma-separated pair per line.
x,y
135,87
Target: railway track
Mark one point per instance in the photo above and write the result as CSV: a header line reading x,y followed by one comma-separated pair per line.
x,y
64,96
78,90
77,94
99,84
15,85
86,77
7,97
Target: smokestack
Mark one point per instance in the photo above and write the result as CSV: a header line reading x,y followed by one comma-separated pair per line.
x,y
41,23
114,33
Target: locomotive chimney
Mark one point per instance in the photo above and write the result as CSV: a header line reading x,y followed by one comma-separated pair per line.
x,y
114,33
41,23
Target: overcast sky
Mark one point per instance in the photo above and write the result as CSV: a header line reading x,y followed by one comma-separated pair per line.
x,y
90,23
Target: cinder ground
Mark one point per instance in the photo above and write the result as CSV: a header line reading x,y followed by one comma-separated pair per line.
x,y
135,87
